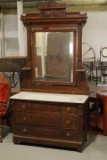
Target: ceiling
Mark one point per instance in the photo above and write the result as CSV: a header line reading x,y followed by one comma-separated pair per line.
x,y
72,5
67,1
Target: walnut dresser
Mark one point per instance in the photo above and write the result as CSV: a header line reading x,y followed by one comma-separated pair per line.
x,y
50,119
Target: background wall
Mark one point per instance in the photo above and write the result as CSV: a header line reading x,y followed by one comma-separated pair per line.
x,y
94,32
11,47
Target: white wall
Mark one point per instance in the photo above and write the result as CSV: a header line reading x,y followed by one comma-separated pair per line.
x,y
11,35
95,31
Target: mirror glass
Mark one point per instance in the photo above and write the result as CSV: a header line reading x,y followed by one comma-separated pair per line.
x,y
53,56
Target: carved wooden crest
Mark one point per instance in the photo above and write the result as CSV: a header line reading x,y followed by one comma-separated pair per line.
x,y
52,9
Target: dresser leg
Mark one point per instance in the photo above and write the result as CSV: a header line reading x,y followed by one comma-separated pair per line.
x,y
14,140
79,149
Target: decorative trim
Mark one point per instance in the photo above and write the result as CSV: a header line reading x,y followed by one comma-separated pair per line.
x,y
52,9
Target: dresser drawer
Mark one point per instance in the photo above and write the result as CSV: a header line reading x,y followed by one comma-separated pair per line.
x,y
23,106
52,120
23,130
69,109
46,132
45,107
69,134
69,122
22,118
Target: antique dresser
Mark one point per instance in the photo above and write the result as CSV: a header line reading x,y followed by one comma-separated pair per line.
x,y
50,119
51,108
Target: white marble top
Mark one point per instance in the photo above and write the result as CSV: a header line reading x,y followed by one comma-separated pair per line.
x,y
50,97
103,93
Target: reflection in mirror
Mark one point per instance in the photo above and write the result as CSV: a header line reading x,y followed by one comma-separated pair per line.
x,y
54,56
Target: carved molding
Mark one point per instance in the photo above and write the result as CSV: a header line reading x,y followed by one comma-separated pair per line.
x,y
52,9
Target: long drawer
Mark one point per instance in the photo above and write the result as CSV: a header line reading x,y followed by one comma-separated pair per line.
x,y
50,120
23,106
46,132
22,118
41,107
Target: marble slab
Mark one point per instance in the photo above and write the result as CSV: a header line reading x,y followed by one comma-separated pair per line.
x,y
50,97
103,93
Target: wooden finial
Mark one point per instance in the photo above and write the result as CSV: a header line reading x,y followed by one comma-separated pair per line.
x,y
52,9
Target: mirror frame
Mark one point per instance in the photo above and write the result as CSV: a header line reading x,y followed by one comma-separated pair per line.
x,y
55,29
53,17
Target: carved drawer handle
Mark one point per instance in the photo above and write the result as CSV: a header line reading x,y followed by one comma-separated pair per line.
x,y
67,134
24,118
68,121
24,130
68,109
23,106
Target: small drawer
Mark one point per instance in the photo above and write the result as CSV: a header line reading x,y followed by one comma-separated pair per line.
x,y
23,106
69,134
50,120
69,109
19,130
22,118
69,122
46,132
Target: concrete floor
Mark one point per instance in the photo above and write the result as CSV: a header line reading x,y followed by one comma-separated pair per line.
x,y
95,148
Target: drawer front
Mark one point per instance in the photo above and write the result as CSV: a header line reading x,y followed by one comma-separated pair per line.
x,y
22,118
46,132
46,119
69,122
69,134
23,106
23,130
45,107
69,109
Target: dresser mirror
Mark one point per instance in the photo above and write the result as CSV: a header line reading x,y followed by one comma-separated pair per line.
x,y
54,56
54,49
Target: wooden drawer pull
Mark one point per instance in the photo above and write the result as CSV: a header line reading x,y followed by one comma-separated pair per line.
x,y
68,109
67,134
67,121
24,118
24,130
23,106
